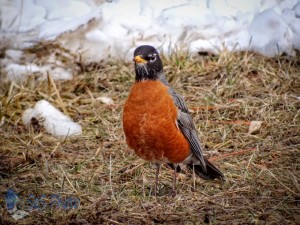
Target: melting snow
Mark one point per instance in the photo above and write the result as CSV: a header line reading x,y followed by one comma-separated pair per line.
x,y
54,121
98,30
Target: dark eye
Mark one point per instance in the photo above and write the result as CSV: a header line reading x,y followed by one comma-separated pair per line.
x,y
152,58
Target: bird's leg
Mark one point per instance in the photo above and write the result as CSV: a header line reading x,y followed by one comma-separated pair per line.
x,y
156,177
174,181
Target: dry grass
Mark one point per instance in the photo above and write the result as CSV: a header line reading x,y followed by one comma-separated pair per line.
x,y
224,94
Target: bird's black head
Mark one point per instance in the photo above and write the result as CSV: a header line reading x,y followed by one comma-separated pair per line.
x,y
148,65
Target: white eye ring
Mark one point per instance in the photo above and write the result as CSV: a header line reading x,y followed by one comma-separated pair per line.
x,y
152,57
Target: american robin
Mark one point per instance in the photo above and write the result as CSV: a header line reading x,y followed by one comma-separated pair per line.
x,y
157,123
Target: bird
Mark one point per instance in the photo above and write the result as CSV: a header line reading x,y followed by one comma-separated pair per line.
x,y
157,123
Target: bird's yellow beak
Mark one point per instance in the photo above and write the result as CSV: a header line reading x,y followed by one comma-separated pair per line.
x,y
139,59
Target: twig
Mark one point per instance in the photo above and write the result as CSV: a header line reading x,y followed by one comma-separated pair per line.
x,y
134,168
110,180
54,150
206,107
74,189
236,122
112,221
57,94
231,154
90,94
250,160
290,190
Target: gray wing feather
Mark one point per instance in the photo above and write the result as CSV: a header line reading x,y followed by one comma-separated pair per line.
x,y
185,123
187,127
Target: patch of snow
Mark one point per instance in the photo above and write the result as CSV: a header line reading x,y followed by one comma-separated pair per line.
x,y
59,73
19,72
270,34
297,10
13,54
51,29
54,121
22,16
105,100
293,22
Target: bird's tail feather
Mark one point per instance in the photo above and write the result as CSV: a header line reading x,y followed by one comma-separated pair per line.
x,y
212,171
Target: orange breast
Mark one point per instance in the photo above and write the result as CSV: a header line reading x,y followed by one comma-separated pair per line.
x,y
149,122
